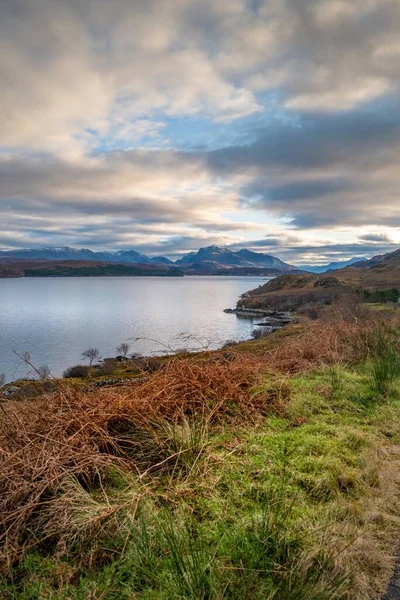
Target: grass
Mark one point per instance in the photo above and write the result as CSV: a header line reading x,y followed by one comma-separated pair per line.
x,y
268,473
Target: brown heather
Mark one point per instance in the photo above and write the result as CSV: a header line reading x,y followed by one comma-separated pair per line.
x,y
73,434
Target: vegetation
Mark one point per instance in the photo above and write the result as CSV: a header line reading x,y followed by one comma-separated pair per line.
x,y
382,296
95,270
80,371
123,349
92,355
268,470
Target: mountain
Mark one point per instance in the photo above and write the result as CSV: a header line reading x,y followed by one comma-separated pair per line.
x,y
259,259
67,253
215,258
161,260
391,259
212,254
332,266
128,256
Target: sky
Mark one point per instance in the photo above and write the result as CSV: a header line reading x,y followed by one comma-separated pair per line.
x,y
166,125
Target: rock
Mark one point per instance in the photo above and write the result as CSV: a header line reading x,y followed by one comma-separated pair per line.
x,y
10,391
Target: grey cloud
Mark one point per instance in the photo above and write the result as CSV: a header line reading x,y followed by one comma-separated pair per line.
x,y
324,169
268,242
297,251
317,140
381,238
324,153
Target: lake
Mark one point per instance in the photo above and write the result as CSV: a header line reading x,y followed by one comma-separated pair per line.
x,y
56,319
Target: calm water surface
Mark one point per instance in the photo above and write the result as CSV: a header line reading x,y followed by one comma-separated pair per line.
x,y
55,319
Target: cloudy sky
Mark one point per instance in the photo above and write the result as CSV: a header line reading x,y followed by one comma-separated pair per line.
x,y
165,125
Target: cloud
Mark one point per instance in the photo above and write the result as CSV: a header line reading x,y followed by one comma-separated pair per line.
x,y
324,169
297,102
380,238
300,251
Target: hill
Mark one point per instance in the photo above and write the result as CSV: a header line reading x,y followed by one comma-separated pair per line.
x,y
391,259
81,268
377,279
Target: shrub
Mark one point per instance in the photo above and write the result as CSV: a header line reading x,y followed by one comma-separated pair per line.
x,y
76,371
107,368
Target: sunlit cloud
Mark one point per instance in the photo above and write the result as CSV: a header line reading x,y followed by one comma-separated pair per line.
x,y
165,126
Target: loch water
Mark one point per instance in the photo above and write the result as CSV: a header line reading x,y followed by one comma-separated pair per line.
x,y
56,319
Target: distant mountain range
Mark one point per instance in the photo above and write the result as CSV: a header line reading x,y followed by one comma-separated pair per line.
x,y
210,260
391,259
332,266
67,253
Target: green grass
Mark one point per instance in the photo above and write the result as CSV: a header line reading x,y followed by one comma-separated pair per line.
x,y
300,505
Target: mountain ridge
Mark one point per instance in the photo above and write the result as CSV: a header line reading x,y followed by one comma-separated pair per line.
x,y
207,259
332,266
218,256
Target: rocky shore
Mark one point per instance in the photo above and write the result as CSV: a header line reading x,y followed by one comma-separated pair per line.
x,y
271,318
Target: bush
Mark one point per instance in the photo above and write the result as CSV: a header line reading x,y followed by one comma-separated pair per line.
x,y
76,371
107,368
391,295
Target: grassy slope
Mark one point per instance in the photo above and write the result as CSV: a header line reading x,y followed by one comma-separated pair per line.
x,y
267,474
294,291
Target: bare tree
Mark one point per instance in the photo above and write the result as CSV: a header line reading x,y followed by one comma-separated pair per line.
x,y
43,372
92,355
123,349
2,379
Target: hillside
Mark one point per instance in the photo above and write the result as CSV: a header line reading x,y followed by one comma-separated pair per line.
x,y
367,279
391,259
80,268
